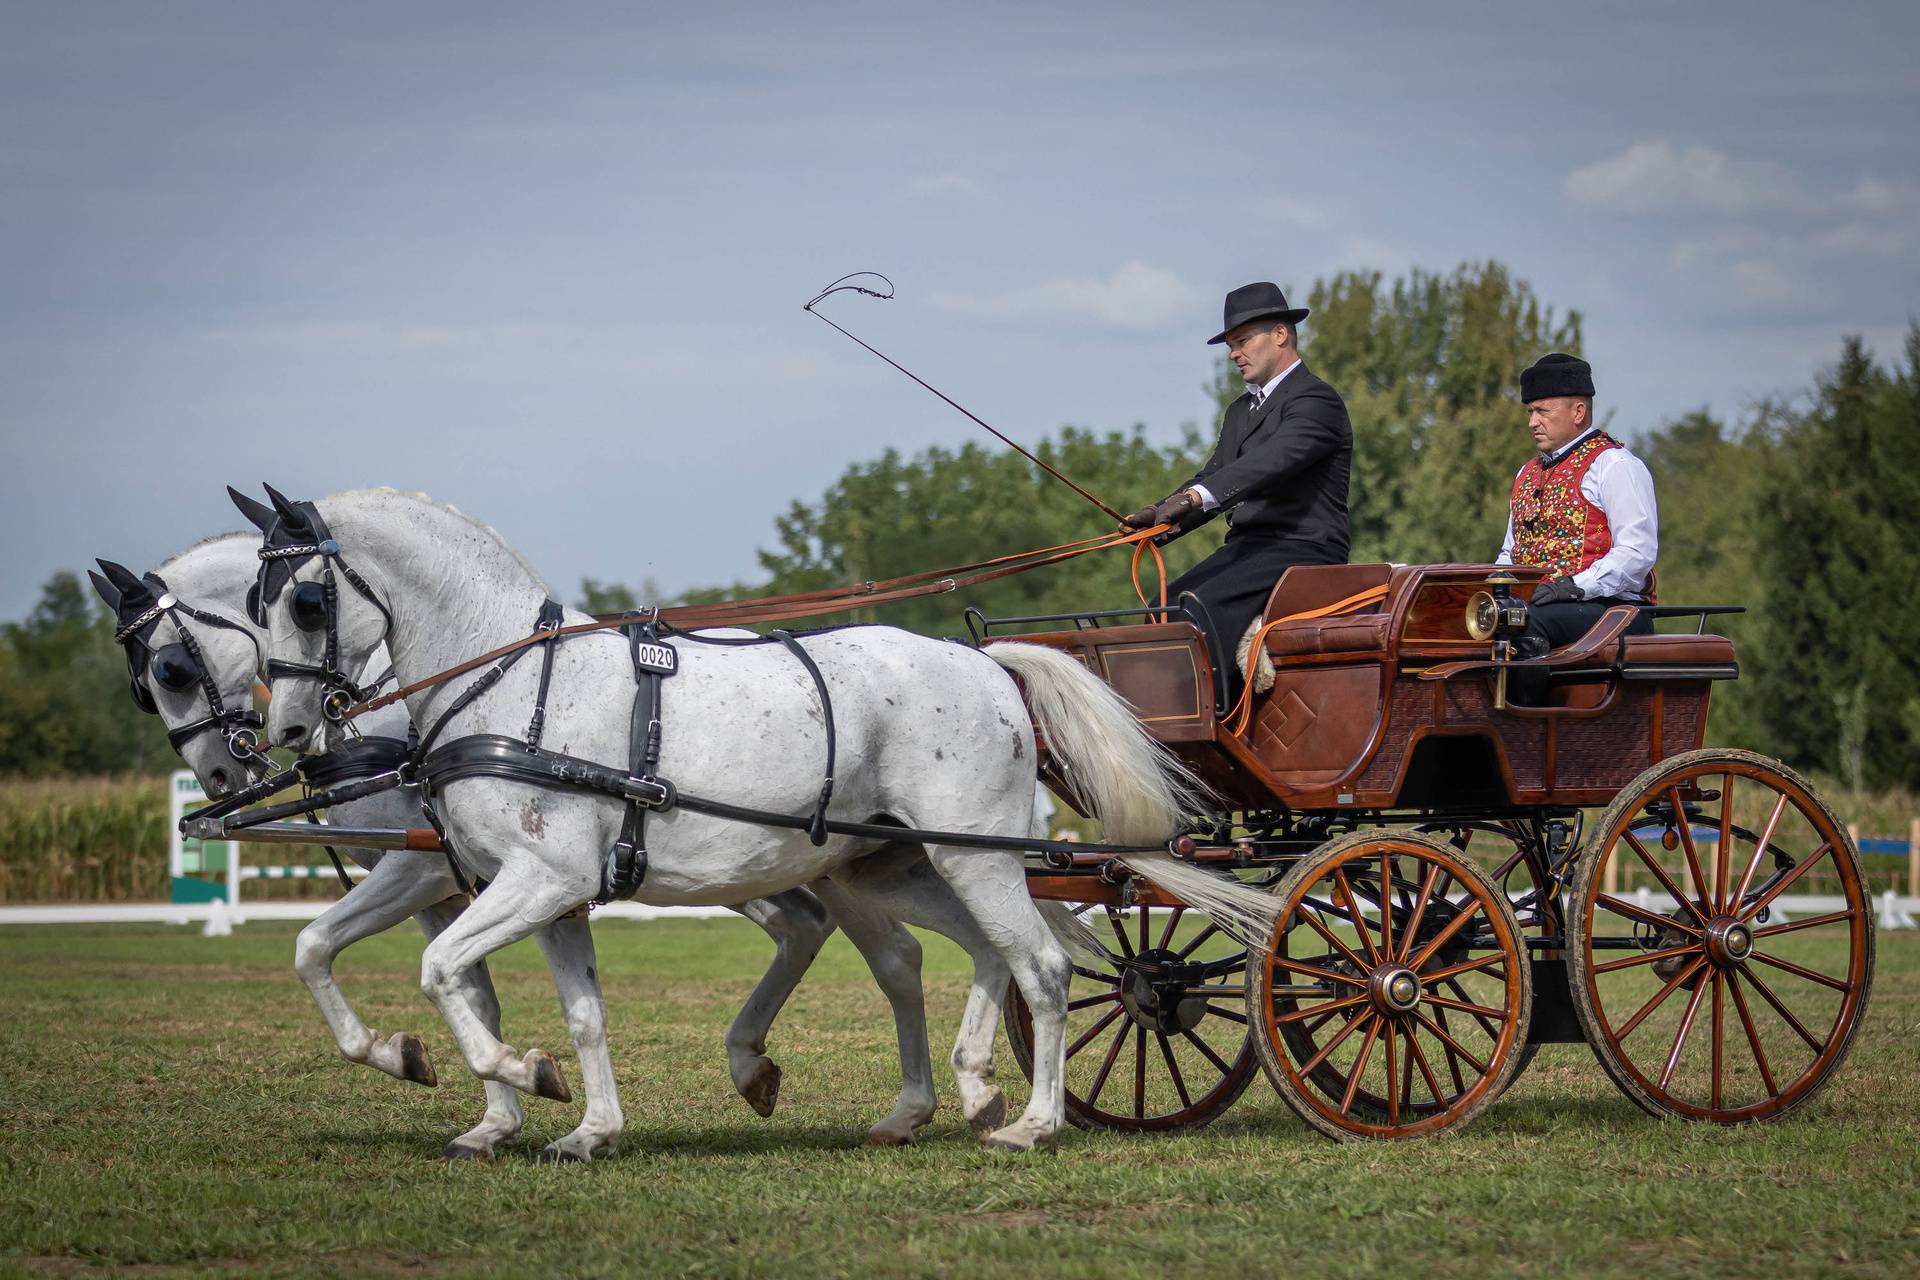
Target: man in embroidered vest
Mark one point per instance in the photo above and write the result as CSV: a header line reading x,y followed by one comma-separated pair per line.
x,y
1279,471
1583,509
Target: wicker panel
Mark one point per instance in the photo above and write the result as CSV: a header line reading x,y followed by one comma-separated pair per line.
x,y
1608,750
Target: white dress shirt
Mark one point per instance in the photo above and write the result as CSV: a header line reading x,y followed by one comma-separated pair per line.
x,y
1259,395
1621,486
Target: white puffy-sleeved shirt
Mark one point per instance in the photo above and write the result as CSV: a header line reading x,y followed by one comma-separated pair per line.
x,y
1621,486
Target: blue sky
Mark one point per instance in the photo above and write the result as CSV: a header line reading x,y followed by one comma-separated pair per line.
x,y
546,262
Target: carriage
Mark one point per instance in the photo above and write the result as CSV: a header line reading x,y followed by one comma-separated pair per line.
x,y
1447,898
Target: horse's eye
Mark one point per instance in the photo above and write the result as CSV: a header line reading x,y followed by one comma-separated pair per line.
x,y
174,668
309,606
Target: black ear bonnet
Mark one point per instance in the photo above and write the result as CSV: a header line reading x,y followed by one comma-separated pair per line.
x,y
296,534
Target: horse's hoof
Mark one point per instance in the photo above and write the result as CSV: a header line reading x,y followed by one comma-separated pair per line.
x,y
414,1063
547,1081
554,1153
763,1090
461,1151
888,1138
990,1116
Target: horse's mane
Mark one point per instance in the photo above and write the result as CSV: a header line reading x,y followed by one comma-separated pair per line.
x,y
451,510
251,535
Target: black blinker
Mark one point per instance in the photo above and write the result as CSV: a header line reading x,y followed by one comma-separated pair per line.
x,y
254,609
142,698
309,606
174,668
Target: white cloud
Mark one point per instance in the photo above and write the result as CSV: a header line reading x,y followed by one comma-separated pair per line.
x,y
1134,296
944,184
1657,177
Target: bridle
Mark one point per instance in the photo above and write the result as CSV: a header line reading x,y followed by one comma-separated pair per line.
x,y
180,665
299,535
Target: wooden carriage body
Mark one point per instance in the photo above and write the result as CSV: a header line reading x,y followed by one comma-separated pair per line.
x,y
1355,719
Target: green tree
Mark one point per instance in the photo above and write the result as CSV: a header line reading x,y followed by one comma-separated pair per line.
x,y
63,691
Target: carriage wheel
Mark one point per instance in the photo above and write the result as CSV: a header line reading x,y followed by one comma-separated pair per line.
x,y
1394,1023
1698,996
1156,1039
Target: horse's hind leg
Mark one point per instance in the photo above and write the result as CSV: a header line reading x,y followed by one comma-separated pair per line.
x,y
568,944
396,888
799,927
893,954
993,888
521,899
503,1119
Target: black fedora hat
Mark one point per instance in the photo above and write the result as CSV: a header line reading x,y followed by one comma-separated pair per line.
x,y
1256,302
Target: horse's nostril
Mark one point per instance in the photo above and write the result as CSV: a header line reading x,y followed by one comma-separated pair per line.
x,y
220,781
296,733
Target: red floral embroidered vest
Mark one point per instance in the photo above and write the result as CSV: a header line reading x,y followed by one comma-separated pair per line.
x,y
1554,525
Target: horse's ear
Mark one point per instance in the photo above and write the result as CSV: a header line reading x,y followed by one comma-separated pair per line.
x,y
259,514
108,592
123,578
284,506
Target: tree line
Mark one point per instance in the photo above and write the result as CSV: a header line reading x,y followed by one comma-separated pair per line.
x,y
1804,509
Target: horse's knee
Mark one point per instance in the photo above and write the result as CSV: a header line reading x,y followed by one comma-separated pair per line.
x,y
313,955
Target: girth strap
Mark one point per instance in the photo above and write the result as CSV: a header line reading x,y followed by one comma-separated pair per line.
x,y
817,830
653,661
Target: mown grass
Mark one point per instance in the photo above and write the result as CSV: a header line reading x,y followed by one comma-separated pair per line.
x,y
172,1105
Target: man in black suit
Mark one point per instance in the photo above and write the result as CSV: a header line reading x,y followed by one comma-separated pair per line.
x,y
1279,471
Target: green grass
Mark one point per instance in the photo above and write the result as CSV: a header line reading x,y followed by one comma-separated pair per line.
x,y
172,1105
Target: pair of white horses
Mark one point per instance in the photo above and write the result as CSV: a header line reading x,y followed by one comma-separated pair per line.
x,y
931,735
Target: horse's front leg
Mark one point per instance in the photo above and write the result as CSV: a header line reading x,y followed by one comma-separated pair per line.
x,y
397,887
525,896
799,927
568,944
503,1117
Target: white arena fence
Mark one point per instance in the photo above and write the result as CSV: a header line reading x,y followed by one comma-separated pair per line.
x,y
207,876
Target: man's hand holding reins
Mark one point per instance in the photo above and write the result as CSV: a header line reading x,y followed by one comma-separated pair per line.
x,y
1166,511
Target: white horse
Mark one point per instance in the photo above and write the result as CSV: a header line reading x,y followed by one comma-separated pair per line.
x,y
931,735
213,577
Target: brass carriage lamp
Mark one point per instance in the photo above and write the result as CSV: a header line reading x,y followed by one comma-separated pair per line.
x,y
1495,615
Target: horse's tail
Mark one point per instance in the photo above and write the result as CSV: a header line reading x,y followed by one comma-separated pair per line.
x,y
1136,789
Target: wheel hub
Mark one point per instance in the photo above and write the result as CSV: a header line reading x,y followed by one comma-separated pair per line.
x,y
1159,992
1395,989
1729,941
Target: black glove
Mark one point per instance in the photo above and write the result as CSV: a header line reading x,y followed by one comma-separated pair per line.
x,y
1556,591
1166,511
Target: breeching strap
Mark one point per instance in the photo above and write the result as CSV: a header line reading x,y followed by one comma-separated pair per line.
x,y
805,604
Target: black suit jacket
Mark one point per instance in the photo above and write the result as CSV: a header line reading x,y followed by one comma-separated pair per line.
x,y
1282,472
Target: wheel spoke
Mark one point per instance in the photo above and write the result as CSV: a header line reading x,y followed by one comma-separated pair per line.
x,y
1301,1015
1780,886
1660,874
1660,998
1106,1066
1766,993
1306,1068
1684,825
1386,903
1139,1073
1393,1078
1087,1002
1345,891
1718,999
1453,1046
1193,943
1226,1068
1173,1069
1173,922
1440,939
1086,1038
1313,922
1360,1065
1649,957
1106,979
1419,911
1419,1056
1313,971
1800,971
1469,966
1231,1015
1120,931
1759,848
1479,1012
1145,921
1720,884
1621,907
1805,922
1680,1036
1753,1035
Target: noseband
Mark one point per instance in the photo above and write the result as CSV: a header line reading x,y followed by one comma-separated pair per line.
x,y
241,728
288,545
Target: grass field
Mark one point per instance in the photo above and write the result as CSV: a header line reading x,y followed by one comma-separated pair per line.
x,y
173,1105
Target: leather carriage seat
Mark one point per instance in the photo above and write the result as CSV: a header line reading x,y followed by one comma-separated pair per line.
x,y
1314,586
1684,648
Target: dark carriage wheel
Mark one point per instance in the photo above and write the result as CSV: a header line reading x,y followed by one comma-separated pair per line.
x,y
1698,998
1394,1024
1156,1039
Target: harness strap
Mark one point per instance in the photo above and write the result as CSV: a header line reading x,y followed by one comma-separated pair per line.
x,y
817,832
551,611
626,865
491,678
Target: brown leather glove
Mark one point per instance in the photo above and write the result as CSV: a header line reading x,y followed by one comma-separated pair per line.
x,y
1166,511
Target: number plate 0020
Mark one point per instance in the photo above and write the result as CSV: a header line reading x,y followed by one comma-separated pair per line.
x,y
650,656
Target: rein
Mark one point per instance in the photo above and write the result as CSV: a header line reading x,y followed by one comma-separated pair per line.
x,y
805,604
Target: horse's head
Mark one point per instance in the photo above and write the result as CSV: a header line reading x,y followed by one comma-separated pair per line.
x,y
322,620
192,664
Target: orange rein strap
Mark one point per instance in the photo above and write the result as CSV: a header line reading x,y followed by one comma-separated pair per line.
x,y
806,604
1242,712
